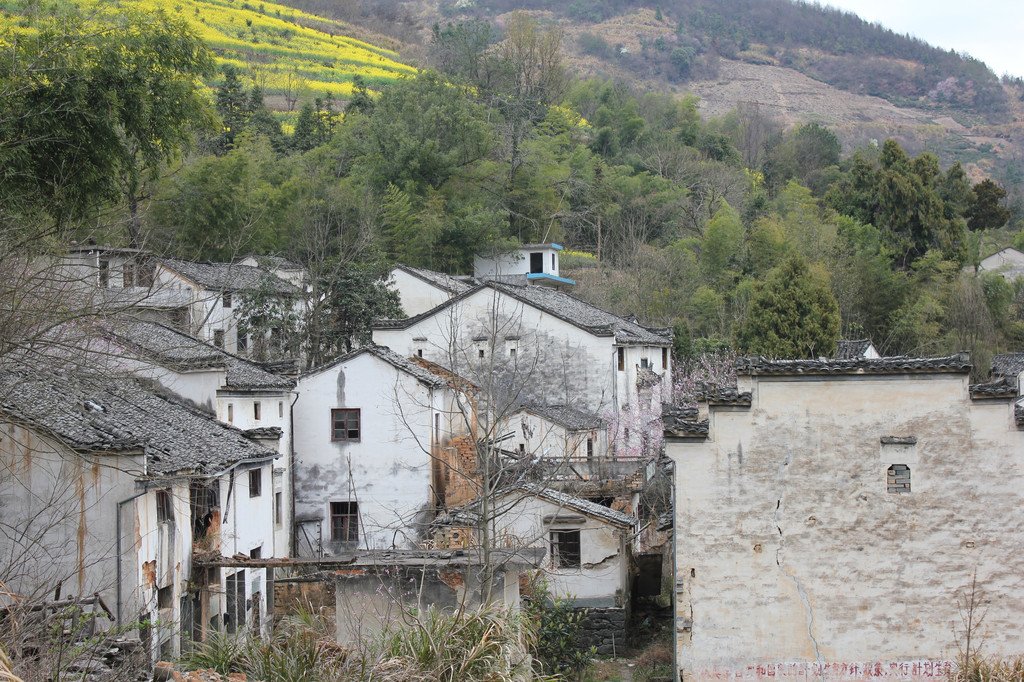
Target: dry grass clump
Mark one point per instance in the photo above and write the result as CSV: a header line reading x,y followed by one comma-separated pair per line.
x,y
978,668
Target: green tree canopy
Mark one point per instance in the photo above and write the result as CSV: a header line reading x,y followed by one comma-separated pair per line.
x,y
793,314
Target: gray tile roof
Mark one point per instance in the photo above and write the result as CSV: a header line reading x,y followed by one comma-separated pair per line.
x,y
958,363
558,304
1007,364
580,313
440,280
1003,387
175,350
849,349
120,414
684,421
421,374
468,514
563,415
227,276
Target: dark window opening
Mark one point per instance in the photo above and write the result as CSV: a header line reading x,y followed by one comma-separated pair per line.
x,y
898,478
622,359
419,353
165,597
511,352
345,424
590,448
256,410
243,342
255,482
128,274
278,508
226,299
664,358
553,263
256,553
603,500
280,409
204,502
536,262
104,273
164,507
234,601
218,338
480,353
645,363
231,413
565,548
344,521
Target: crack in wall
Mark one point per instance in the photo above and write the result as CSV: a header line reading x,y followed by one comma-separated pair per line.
x,y
800,588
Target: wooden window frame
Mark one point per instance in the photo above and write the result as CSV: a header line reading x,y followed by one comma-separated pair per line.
x,y
255,482
348,411
566,549
345,521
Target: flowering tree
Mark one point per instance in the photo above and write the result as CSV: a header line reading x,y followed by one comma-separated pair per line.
x,y
709,371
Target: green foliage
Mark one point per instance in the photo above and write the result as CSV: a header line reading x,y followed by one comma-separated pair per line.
x,y
222,652
793,315
559,625
87,114
483,644
984,211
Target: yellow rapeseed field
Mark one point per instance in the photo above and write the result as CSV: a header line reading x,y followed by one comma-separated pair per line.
x,y
286,51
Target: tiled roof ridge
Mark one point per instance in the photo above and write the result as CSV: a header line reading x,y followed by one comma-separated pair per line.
x,y
561,413
1003,387
437,278
387,355
957,363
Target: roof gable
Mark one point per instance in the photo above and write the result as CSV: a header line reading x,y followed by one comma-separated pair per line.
x,y
227,276
385,354
560,305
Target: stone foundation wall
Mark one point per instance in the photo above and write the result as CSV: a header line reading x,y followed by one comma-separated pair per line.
x,y
604,628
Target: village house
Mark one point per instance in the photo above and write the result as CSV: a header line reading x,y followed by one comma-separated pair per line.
x,y
1008,262
214,291
109,486
831,517
585,548
543,344
239,392
420,290
370,428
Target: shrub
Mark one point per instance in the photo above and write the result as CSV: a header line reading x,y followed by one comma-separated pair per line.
x,y
558,624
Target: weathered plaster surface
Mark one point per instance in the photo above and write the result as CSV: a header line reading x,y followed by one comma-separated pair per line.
x,y
793,560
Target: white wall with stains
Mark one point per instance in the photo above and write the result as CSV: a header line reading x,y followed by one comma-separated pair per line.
x,y
793,558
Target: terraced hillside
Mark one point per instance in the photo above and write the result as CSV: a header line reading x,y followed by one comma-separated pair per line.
x,y
285,50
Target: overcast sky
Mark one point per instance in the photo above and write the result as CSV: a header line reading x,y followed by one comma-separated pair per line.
x,y
989,30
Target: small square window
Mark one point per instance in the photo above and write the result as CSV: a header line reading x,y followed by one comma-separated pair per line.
x,y
645,363
480,353
242,344
255,482
227,299
565,548
898,478
344,521
218,338
256,553
345,424
511,352
164,507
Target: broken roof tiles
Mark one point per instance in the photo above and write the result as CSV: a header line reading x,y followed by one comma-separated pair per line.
x,y
122,415
958,363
